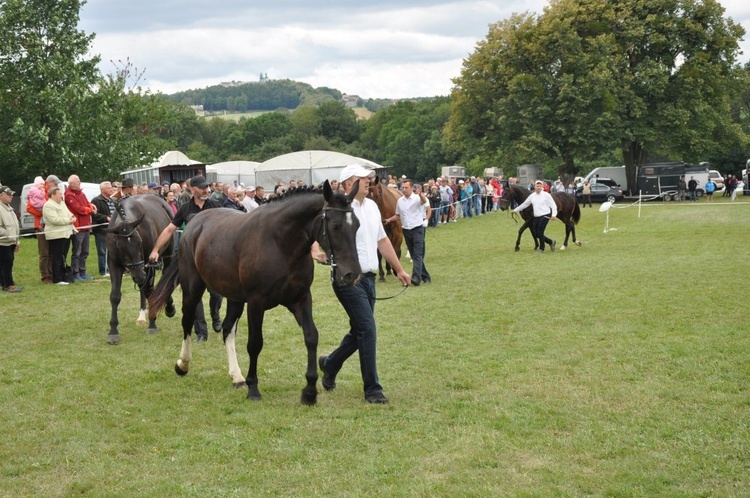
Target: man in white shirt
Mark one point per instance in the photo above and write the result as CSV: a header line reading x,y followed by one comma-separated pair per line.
x,y
409,209
248,200
545,209
359,300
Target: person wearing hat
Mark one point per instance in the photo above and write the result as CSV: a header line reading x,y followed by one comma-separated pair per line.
x,y
248,198
127,188
10,230
359,300
545,209
199,202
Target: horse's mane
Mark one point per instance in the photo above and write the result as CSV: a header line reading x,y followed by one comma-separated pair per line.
x,y
292,192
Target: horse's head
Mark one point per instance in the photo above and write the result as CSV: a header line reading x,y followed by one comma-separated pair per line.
x,y
129,247
337,235
506,198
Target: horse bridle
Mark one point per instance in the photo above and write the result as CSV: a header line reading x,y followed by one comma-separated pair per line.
x,y
128,266
325,234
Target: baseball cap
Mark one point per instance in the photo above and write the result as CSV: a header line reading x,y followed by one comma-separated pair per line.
x,y
460,182
127,182
153,185
165,182
355,170
6,190
249,188
198,181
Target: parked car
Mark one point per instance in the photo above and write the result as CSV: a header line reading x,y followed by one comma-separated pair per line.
x,y
717,178
601,193
605,181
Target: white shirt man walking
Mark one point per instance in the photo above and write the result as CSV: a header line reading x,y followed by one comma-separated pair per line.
x,y
409,209
545,209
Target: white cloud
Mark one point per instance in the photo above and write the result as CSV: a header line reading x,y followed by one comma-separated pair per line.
x,y
388,49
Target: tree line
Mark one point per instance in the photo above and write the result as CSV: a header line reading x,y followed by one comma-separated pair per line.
x,y
586,83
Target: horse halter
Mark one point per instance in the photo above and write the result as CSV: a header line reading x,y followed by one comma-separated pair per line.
x,y
121,210
325,235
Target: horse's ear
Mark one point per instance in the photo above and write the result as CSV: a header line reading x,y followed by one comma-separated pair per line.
x,y
355,189
327,191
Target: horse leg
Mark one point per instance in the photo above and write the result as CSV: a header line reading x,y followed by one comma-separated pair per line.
x,y
381,274
254,347
146,291
231,319
192,292
141,320
568,225
115,296
302,311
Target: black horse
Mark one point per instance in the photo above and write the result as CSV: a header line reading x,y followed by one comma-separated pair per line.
x,y
131,235
262,259
568,212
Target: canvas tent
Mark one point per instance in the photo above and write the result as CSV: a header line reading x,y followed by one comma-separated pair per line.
x,y
242,171
174,166
311,166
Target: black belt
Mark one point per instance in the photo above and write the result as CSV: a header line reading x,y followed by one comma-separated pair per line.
x,y
369,274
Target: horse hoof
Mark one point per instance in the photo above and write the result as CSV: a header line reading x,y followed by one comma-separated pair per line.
x,y
170,311
113,339
578,243
308,400
563,248
153,331
140,322
179,371
518,249
253,396
381,279
239,385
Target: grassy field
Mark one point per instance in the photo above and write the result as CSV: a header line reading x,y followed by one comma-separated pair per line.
x,y
619,368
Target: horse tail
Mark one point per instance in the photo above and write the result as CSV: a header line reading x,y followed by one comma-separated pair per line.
x,y
576,213
164,289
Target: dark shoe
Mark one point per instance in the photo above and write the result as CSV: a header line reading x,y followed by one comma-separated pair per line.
x,y
201,338
552,246
216,324
376,399
46,280
414,283
329,380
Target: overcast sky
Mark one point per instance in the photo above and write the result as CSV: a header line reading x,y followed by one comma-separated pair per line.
x,y
384,49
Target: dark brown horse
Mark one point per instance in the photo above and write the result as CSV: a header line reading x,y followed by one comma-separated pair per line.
x,y
568,212
131,235
262,260
386,199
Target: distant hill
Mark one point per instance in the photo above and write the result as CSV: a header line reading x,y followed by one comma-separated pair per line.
x,y
269,95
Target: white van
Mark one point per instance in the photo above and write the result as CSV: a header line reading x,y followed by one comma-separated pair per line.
x,y
717,178
91,190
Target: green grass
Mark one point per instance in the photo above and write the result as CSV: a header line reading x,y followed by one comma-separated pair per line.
x,y
619,368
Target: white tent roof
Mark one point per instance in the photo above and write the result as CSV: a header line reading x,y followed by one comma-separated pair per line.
x,y
311,166
175,158
241,171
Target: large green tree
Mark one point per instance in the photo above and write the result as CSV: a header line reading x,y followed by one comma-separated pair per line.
x,y
46,77
589,76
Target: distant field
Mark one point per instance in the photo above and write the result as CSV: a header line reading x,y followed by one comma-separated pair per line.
x,y
361,112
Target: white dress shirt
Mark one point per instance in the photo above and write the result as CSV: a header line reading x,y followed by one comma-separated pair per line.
x,y
369,233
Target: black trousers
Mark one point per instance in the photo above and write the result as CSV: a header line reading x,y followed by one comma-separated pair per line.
x,y
538,226
58,253
7,256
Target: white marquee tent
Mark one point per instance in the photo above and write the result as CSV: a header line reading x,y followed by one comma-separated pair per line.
x,y
242,171
311,166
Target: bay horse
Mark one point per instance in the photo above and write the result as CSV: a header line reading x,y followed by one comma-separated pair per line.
x,y
262,259
568,212
131,235
386,199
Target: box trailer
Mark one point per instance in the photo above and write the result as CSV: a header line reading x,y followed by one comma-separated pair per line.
x,y
529,173
453,172
616,173
661,179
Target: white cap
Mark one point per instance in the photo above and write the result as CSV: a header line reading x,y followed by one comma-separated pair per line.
x,y
355,170
460,182
249,188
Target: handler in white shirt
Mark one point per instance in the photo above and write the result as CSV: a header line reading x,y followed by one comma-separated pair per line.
x,y
545,209
410,210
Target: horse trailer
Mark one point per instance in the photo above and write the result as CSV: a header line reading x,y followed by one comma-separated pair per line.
x,y
529,173
661,179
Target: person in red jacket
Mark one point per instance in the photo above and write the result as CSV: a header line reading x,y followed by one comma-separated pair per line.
x,y
80,206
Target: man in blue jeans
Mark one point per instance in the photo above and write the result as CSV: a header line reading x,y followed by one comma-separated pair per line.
x,y
359,300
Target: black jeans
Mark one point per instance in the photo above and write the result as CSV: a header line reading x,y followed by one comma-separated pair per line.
x,y
538,226
7,256
415,242
359,303
58,253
